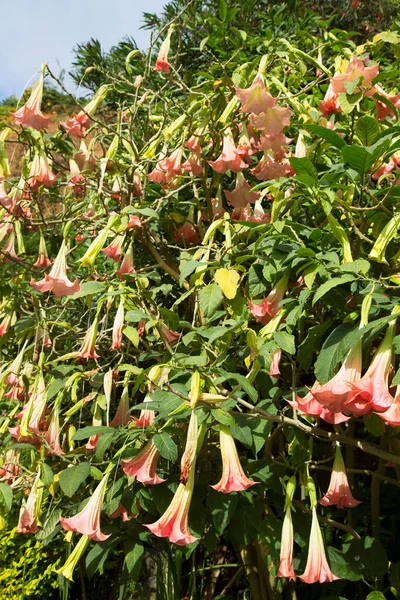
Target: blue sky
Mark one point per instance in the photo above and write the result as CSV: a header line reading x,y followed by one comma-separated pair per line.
x,y
36,31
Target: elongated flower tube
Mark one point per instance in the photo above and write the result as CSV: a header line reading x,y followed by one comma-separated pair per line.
x,y
122,416
334,394
162,64
77,124
117,327
317,567
88,345
269,306
68,568
30,114
57,281
97,421
114,250
229,159
371,392
126,267
89,258
276,358
173,524
28,521
189,455
5,324
286,568
41,173
339,492
43,260
241,196
35,409
233,478
87,521
10,467
143,465
52,435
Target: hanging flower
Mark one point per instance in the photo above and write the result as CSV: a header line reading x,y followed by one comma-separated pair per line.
x,y
126,267
187,233
77,125
276,358
317,567
117,327
229,159
87,521
68,568
241,196
391,416
233,478
310,407
339,492
255,99
52,435
88,345
28,521
193,164
114,250
30,114
286,568
43,260
122,416
57,281
10,468
162,64
269,306
143,465
40,173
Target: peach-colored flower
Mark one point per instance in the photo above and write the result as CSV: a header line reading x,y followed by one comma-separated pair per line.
x,y
272,121
317,568
173,524
30,114
187,233
10,468
274,145
276,358
121,511
270,168
229,159
241,196
339,492
126,267
43,260
122,416
193,144
5,324
269,306
87,521
77,125
286,568
88,345
52,435
40,173
114,250
330,103
57,281
193,164
255,99
334,394
145,419
371,392
143,465
134,221
233,478
391,416
117,327
310,407
162,64
170,166
32,415
355,70
171,337
28,518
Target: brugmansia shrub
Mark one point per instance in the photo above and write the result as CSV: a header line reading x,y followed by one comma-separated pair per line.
x,y
199,323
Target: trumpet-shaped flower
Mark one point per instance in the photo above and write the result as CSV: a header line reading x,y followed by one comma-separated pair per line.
x,y
241,196
229,159
40,173
173,524
88,345
43,260
339,492
77,125
145,419
270,168
57,281
162,64
122,416
68,568
187,233
255,99
143,465
30,114
87,521
276,358
52,435
286,568
272,121
233,478
126,267
28,521
334,394
317,567
355,71
193,164
114,250
391,416
10,468
117,327
310,407
269,306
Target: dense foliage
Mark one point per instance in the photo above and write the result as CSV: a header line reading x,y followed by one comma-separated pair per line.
x,y
199,294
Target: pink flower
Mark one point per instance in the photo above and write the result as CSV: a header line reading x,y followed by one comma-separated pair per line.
x,y
274,368
241,196
134,221
87,521
269,168
269,307
121,511
193,144
40,173
272,121
30,115
317,568
355,70
371,392
117,327
255,99
88,345
171,337
193,164
233,478
52,435
391,416
310,407
43,260
114,250
259,215
145,418
127,264
57,281
10,468
229,159
286,568
162,64
334,394
187,233
274,145
5,324
28,521
122,416
330,103
143,465
77,125
32,416
173,524
339,492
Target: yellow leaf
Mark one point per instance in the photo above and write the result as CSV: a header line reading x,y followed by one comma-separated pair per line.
x,y
227,280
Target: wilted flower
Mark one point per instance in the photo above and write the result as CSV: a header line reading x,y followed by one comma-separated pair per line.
x,y
87,521
339,492
233,478
57,281
143,465
30,114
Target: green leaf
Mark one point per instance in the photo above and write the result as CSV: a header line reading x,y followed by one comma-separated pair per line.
x,y
103,443
243,383
285,341
349,101
133,560
396,378
46,475
329,285
222,9
358,158
341,566
256,280
210,298
166,446
311,344
6,497
88,288
374,424
213,333
369,557
134,316
358,266
222,508
222,416
87,432
367,129
132,334
70,479
375,596
327,134
303,166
